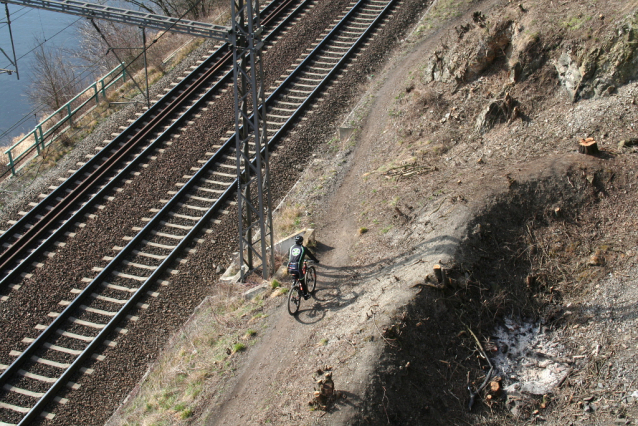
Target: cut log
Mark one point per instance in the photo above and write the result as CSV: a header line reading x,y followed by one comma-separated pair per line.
x,y
588,146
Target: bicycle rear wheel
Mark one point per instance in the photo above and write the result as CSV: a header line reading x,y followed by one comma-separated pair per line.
x,y
294,299
311,279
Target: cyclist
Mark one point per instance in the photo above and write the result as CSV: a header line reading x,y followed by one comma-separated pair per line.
x,y
296,258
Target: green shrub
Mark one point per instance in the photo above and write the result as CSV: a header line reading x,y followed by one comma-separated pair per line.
x,y
186,413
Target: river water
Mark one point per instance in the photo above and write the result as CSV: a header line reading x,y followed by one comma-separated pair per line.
x,y
27,24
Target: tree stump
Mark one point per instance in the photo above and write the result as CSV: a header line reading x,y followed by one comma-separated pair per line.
x,y
439,274
588,146
324,393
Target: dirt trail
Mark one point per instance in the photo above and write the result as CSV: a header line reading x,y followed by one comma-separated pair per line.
x,y
283,351
280,354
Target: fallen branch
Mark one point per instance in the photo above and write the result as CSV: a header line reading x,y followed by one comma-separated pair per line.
x,y
385,397
408,170
487,377
374,319
564,378
436,286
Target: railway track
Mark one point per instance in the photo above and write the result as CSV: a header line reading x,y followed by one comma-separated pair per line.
x,y
50,220
97,313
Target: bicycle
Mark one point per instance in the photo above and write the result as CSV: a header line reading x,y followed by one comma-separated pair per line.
x,y
296,293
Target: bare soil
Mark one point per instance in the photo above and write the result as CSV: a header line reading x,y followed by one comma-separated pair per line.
x,y
528,230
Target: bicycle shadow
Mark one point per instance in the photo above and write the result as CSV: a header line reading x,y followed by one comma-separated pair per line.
x,y
325,298
337,285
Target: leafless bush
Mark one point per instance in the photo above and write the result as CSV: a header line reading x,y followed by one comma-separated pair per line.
x,y
197,9
125,39
55,82
115,41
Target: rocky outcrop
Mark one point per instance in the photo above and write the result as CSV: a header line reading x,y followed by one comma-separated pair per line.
x,y
527,54
465,61
498,111
583,73
599,71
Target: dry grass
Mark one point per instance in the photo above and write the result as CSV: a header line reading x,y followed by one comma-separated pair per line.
x,y
287,220
185,50
24,145
440,11
197,357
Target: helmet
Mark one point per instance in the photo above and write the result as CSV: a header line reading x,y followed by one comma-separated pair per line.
x,y
298,239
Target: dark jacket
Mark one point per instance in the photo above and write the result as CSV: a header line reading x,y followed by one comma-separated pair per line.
x,y
296,256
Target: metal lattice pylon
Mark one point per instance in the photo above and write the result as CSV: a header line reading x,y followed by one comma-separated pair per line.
x,y
253,192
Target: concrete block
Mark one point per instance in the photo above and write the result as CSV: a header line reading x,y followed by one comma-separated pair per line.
x,y
282,246
253,292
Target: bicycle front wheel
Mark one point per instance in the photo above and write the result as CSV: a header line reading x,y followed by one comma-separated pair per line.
x,y
294,299
311,279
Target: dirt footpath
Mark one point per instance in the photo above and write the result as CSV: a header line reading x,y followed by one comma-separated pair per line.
x,y
343,327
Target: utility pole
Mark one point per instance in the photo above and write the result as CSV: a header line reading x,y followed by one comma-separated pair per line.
x,y
148,97
253,193
13,48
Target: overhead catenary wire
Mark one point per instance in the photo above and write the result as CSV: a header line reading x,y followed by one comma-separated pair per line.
x,y
41,108
138,56
15,17
49,39
156,39
28,10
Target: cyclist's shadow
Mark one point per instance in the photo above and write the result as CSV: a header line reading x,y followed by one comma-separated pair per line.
x,y
326,297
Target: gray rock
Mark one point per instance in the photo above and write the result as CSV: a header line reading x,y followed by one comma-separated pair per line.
x,y
569,74
249,294
627,143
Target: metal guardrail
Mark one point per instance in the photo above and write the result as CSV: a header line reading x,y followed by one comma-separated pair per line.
x,y
40,133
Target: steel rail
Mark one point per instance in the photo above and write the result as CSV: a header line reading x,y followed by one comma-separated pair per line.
x,y
141,234
273,9
85,186
201,173
126,308
335,69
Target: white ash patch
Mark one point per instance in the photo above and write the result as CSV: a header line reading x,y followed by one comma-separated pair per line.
x,y
531,360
